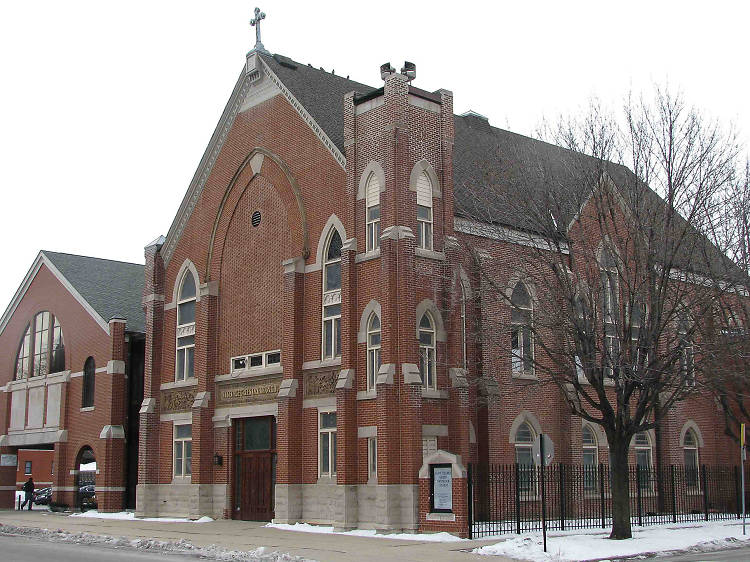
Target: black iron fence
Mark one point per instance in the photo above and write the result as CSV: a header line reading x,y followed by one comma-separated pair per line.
x,y
508,498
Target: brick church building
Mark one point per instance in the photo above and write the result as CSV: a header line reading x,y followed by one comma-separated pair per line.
x,y
304,344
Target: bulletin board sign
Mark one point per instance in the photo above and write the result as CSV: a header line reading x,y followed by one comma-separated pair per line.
x,y
441,488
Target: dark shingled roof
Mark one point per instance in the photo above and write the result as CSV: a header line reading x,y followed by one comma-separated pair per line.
x,y
112,288
478,148
491,164
320,92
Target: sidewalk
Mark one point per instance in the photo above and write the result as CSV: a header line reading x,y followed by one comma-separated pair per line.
x,y
247,535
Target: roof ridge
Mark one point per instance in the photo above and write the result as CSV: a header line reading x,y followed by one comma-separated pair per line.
x,y
47,252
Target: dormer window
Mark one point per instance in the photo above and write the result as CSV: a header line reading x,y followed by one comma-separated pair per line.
x,y
42,349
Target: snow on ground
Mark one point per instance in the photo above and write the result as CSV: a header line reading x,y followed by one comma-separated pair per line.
x,y
211,552
423,537
129,515
595,545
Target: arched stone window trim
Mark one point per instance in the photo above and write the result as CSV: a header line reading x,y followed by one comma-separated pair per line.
x,y
424,166
186,265
372,168
524,417
690,424
428,306
372,306
332,222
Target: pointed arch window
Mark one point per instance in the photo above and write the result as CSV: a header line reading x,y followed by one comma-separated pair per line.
x,y
42,349
463,325
373,350
610,310
332,297
524,442
590,453
643,458
424,211
427,351
690,455
89,382
372,198
522,344
185,363
687,355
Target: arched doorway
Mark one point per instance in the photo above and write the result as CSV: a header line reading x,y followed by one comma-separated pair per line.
x,y
86,479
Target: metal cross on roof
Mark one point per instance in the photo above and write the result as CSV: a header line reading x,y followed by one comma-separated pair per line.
x,y
255,22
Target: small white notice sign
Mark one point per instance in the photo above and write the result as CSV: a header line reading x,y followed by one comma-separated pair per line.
x,y
8,460
442,488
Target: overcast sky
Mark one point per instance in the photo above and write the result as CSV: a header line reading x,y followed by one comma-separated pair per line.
x,y
106,107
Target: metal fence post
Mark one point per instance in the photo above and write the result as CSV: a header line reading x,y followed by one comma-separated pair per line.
x,y
705,490
561,467
737,492
601,491
674,496
469,501
518,502
638,493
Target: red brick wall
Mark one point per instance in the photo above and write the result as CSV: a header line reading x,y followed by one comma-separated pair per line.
x,y
41,467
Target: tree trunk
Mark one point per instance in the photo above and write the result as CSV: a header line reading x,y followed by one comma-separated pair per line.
x,y
620,491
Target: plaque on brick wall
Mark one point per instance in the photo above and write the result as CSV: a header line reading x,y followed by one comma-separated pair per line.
x,y
243,392
320,384
177,401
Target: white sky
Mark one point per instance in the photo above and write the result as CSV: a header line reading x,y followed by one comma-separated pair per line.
x,y
106,108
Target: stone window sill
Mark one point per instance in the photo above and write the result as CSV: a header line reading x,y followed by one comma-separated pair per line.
x,y
433,393
179,384
441,517
336,362
367,256
430,254
525,376
88,409
327,480
182,480
367,394
250,373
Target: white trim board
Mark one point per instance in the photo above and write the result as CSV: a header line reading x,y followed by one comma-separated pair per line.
x,y
40,260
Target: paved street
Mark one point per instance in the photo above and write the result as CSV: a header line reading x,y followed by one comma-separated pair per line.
x,y
25,549
731,555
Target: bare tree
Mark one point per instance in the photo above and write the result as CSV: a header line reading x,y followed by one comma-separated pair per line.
x,y
729,349
618,276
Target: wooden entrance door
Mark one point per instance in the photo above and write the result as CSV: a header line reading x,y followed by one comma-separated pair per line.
x,y
254,469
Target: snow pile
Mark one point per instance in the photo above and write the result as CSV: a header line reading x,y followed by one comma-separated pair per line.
x,y
423,537
182,546
130,516
583,545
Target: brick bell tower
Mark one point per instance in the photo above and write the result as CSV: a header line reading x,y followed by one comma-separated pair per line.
x,y
401,138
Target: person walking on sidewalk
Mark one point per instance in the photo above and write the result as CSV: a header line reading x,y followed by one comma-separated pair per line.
x,y
28,489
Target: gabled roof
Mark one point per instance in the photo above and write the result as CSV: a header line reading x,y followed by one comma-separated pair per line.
x,y
484,157
104,288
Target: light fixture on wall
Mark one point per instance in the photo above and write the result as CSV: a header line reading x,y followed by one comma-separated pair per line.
x,y
218,459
